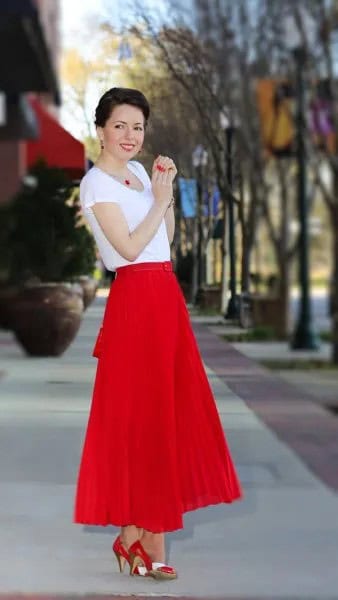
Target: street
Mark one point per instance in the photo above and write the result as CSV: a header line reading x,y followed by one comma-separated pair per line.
x,y
319,304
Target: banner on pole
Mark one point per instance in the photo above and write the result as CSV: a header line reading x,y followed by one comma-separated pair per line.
x,y
188,196
277,108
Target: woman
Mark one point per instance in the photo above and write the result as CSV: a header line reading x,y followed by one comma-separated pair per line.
x,y
154,446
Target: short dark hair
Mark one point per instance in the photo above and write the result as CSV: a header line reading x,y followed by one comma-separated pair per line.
x,y
116,96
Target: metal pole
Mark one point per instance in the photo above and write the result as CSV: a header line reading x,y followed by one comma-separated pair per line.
x,y
199,213
304,336
196,248
194,276
232,311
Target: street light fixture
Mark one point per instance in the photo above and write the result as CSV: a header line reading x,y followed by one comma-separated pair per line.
x,y
229,126
304,336
199,161
199,156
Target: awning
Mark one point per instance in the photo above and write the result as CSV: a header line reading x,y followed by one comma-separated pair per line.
x,y
25,64
55,145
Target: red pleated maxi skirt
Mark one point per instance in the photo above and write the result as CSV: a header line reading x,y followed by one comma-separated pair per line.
x,y
154,447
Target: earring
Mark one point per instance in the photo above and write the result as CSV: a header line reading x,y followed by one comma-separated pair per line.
x,y
101,144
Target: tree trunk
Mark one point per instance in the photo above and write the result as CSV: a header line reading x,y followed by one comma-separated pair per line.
x,y
284,294
249,232
284,258
245,275
334,287
195,268
224,280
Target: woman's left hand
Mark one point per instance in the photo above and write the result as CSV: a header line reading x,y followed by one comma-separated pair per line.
x,y
164,163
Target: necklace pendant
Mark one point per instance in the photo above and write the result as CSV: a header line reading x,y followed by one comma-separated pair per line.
x,y
127,182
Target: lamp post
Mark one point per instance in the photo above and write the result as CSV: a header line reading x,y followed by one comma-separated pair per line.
x,y
304,336
232,311
199,161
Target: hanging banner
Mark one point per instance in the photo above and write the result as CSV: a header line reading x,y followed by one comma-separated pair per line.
x,y
277,112
275,105
321,121
189,200
211,202
188,196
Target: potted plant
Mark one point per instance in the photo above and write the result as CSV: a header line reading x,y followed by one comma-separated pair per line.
x,y
88,282
48,248
7,290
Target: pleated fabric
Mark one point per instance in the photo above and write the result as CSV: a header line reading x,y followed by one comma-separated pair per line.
x,y
154,446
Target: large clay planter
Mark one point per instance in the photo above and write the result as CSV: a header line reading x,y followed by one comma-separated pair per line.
x,y
269,311
8,293
46,317
210,297
89,286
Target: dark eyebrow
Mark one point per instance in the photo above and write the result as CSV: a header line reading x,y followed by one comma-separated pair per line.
x,y
125,123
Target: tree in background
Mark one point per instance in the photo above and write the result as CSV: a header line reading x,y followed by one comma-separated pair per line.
x,y
220,58
218,68
126,60
193,73
321,51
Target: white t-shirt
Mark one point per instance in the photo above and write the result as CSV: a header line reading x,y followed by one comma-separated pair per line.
x,y
98,186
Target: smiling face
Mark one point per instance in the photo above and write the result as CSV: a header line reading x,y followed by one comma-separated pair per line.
x,y
123,133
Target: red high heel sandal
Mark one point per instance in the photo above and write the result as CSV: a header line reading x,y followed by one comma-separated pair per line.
x,y
123,557
140,560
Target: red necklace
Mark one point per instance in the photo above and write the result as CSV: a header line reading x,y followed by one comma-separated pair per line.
x,y
125,181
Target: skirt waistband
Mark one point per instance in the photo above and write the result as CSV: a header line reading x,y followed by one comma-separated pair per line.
x,y
146,266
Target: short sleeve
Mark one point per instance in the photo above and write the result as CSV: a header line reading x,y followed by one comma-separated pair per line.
x,y
141,172
95,189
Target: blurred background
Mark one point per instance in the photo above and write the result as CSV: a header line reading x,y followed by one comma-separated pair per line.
x,y
244,98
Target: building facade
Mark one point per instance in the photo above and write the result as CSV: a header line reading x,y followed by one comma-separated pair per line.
x,y
33,64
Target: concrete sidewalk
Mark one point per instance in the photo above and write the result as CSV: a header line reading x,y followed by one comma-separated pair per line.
x,y
281,541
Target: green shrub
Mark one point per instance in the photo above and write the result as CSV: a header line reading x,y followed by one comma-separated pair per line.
x,y
256,334
262,333
326,336
42,230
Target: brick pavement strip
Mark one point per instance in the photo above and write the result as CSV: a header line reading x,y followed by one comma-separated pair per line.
x,y
310,430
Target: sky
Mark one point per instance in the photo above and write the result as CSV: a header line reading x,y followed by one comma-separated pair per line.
x,y
77,19
76,13
77,16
